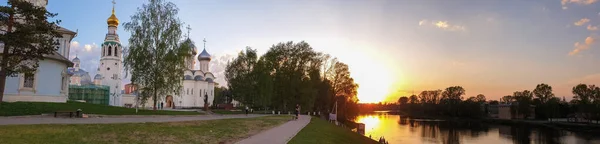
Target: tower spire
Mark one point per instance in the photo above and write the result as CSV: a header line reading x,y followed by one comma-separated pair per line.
x,y
188,31
204,43
113,10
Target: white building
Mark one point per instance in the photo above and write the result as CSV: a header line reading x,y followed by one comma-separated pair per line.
x,y
50,82
110,66
78,75
198,86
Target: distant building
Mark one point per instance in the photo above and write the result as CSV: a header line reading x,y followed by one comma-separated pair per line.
x,y
505,112
129,88
78,75
50,82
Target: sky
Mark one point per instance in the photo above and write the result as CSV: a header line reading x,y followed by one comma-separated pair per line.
x,y
393,47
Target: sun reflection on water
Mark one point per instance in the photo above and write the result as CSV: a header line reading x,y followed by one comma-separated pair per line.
x,y
371,122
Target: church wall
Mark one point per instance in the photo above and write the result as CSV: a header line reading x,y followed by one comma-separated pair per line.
x,y
47,84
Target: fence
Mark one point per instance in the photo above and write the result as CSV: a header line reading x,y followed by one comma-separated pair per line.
x,y
96,94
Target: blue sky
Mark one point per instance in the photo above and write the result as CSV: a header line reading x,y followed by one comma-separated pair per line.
x,y
393,47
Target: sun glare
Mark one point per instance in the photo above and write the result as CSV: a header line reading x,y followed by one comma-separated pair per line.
x,y
371,122
374,81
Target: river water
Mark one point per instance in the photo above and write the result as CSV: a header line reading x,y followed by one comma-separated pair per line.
x,y
401,130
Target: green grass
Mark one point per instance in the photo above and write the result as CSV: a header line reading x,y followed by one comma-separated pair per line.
x,y
322,132
37,108
209,131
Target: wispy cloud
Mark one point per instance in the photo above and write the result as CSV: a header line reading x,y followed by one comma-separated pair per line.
x,y
580,2
582,21
589,41
592,28
444,25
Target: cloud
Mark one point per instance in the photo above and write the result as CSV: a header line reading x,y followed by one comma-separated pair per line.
x,y
589,41
74,44
444,25
218,65
582,22
580,2
90,47
592,28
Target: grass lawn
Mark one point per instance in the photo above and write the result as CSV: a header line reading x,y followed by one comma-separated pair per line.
x,y
37,108
209,131
222,111
322,132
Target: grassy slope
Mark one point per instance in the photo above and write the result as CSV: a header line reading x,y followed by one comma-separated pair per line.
x,y
37,108
209,131
322,132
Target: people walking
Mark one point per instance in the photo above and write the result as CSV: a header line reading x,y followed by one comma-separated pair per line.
x,y
297,111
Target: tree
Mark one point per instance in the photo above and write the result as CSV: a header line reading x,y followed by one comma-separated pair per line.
x,y
506,99
480,98
524,100
156,54
27,36
403,100
240,76
413,99
543,92
451,98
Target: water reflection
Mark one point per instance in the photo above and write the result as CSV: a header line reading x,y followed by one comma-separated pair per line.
x,y
398,129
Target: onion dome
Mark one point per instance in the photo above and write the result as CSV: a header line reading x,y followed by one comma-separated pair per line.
x,y
76,60
112,20
204,55
98,76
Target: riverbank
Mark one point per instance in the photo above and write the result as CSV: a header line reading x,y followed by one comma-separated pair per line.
x,y
322,132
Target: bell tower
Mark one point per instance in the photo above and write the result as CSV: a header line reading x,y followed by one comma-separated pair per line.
x,y
110,61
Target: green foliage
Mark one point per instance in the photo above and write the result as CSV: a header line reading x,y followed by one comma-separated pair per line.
x,y
156,54
290,74
27,36
322,132
37,108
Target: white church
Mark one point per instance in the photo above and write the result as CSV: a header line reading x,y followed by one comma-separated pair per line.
x,y
198,86
50,82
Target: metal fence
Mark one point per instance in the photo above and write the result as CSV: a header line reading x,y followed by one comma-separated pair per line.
x,y
96,94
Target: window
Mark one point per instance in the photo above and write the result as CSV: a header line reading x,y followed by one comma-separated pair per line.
x,y
62,83
116,64
103,53
108,68
115,76
116,51
109,51
187,91
28,80
192,91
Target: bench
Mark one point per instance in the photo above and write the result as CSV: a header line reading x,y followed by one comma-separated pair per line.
x,y
70,113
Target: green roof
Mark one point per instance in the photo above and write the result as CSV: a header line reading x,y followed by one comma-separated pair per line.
x,y
111,43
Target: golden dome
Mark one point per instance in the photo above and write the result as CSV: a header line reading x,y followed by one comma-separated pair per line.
x,y
112,20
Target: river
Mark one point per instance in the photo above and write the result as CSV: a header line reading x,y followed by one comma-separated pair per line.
x,y
397,129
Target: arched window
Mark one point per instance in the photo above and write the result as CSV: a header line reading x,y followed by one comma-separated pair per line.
x,y
103,53
109,50
116,51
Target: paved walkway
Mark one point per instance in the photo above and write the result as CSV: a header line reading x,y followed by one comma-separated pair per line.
x,y
117,119
280,134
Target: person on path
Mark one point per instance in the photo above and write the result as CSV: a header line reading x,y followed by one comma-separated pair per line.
x,y
161,105
297,111
246,110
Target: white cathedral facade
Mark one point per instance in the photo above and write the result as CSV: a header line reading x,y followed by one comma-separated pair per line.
x,y
198,86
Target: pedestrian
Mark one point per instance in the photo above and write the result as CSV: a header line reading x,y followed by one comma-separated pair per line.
x,y
161,105
297,111
246,110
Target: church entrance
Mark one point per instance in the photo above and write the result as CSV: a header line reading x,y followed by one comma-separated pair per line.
x,y
169,100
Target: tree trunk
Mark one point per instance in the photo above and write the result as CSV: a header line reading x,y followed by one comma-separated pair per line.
x,y
155,96
4,62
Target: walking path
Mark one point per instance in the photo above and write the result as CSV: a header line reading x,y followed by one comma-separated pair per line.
x,y
116,119
280,134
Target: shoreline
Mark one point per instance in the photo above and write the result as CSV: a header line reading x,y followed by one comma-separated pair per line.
x,y
568,126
